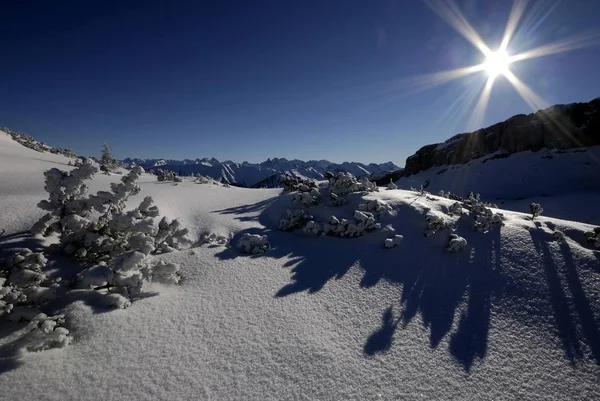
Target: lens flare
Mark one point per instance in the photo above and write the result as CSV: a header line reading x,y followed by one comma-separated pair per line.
x,y
496,63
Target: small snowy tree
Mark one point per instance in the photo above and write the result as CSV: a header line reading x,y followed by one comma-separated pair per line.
x,y
107,162
536,210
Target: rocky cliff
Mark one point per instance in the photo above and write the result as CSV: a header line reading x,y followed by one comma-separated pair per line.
x,y
557,127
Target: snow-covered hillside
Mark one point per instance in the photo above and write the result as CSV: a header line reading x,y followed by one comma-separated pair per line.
x,y
513,315
566,181
261,174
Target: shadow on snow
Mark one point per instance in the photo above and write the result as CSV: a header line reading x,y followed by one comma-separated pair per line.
x,y
447,290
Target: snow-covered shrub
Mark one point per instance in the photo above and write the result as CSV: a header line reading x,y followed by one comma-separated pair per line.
x,y
307,199
456,209
442,194
393,242
166,175
42,331
436,224
536,210
114,241
170,236
312,228
23,287
294,219
375,206
336,200
364,221
559,236
456,243
213,238
484,219
593,237
391,185
253,244
107,162
201,179
345,183
293,182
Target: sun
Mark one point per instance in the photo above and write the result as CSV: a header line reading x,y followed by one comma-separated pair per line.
x,y
496,63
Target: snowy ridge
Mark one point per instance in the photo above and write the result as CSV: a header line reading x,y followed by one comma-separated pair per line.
x,y
566,181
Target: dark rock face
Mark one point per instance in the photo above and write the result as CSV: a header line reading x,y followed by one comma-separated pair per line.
x,y
557,127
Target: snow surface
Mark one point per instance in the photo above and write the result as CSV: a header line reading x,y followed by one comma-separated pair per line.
x,y
514,315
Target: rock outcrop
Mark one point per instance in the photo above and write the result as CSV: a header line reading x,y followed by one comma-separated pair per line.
x,y
557,127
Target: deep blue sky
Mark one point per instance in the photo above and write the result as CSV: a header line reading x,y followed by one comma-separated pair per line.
x,y
248,80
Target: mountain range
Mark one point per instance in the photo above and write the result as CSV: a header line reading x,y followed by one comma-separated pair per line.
x,y
261,174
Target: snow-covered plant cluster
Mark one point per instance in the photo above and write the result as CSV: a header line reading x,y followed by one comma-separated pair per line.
x,y
253,244
536,210
107,162
593,237
363,222
166,175
29,142
393,242
456,243
456,209
294,220
293,182
307,199
484,220
375,206
24,287
559,236
99,232
213,238
202,179
436,224
391,186
345,183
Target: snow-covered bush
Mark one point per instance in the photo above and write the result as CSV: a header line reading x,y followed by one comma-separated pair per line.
x,y
201,179
253,244
213,238
456,209
559,236
393,242
456,243
294,219
336,200
593,237
23,287
484,219
375,206
436,224
114,241
293,182
42,331
312,228
107,162
364,221
166,175
391,185
307,199
345,183
536,210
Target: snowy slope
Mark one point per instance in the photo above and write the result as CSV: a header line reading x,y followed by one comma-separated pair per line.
x,y
251,174
514,316
565,182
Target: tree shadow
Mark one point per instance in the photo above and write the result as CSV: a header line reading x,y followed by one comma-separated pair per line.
x,y
453,294
574,337
434,283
